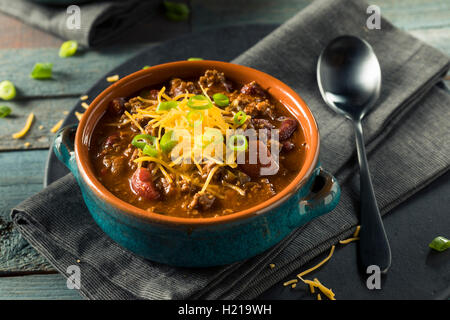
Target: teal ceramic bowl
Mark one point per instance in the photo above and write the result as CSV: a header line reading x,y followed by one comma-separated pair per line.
x,y
200,242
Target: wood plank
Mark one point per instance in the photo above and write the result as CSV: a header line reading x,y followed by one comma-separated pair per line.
x,y
37,287
47,113
406,14
21,177
71,76
16,34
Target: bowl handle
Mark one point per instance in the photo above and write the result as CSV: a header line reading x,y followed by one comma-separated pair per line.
x,y
64,146
322,198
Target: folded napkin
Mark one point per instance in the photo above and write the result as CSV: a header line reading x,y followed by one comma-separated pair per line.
x,y
407,140
100,22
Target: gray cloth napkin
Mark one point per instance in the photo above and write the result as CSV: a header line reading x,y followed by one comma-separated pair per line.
x,y
407,139
100,22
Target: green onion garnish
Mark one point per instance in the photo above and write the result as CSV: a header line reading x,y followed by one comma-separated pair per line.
x,y
7,90
195,59
145,67
4,111
176,11
166,105
68,49
42,71
237,142
440,244
168,142
150,151
221,100
194,118
240,118
141,140
199,102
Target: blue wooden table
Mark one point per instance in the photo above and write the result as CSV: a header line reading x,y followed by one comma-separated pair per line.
x,y
24,273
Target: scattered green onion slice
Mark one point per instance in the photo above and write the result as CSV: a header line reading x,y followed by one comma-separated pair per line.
x,y
240,118
199,102
221,100
150,151
7,90
194,118
141,140
42,71
176,11
195,59
145,67
4,111
440,244
68,49
166,105
237,142
167,142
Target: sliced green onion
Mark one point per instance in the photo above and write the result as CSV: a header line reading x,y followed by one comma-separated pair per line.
x,y
42,71
176,11
141,140
195,59
221,100
68,49
167,142
150,151
4,111
145,67
7,90
440,244
240,118
166,105
237,142
199,102
194,118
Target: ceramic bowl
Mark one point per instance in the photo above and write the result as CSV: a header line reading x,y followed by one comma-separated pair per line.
x,y
200,242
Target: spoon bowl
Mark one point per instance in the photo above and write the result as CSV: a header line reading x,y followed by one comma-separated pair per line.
x,y
349,76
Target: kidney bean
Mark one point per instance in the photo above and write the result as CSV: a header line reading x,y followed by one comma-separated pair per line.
x,y
287,128
142,184
254,169
287,146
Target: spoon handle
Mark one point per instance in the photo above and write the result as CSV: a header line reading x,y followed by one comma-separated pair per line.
x,y
373,245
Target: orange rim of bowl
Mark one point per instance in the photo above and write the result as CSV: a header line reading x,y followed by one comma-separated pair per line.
x,y
297,107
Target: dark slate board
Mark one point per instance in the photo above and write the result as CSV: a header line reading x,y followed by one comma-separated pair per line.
x,y
416,273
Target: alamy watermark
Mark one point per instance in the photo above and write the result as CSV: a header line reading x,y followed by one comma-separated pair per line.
x,y
374,20
73,21
374,279
74,279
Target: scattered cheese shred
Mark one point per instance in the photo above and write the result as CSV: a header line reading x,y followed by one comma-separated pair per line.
x,y
113,78
319,297
318,265
56,126
208,179
84,105
293,285
79,115
272,265
84,98
348,240
288,283
25,129
27,144
358,228
311,288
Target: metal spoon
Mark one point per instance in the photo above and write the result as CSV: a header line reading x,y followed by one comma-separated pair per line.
x,y
349,78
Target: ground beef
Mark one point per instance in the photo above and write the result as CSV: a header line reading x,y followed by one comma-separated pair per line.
x,y
216,81
202,201
178,86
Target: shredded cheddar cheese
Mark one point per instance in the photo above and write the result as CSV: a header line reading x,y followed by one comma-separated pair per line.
x,y
358,228
113,78
348,240
84,105
25,129
318,265
56,126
